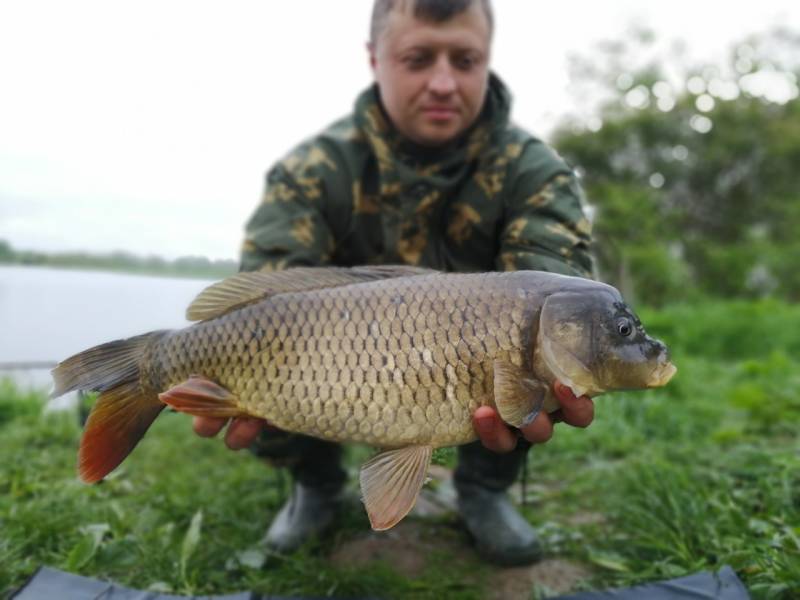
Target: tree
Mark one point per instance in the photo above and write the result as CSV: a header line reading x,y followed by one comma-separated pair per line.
x,y
6,252
692,169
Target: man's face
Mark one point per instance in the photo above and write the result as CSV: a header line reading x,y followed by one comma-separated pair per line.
x,y
432,76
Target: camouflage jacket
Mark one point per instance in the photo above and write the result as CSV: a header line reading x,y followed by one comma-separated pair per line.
x,y
358,193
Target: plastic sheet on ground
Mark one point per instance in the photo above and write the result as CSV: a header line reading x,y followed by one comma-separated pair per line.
x,y
723,585
48,583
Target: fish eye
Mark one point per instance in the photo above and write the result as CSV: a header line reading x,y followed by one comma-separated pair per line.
x,y
624,327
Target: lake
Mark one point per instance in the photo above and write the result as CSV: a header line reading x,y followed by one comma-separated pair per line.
x,y
49,314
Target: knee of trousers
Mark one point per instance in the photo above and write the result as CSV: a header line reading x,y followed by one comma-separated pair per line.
x,y
479,466
311,461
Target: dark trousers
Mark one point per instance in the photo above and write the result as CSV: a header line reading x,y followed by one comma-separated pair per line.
x,y
317,463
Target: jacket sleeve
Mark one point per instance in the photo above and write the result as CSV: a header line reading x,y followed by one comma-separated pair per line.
x,y
545,226
289,227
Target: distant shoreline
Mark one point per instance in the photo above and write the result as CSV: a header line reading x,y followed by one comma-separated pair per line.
x,y
189,267
167,273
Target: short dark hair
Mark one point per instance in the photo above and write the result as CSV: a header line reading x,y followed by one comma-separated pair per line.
x,y
437,11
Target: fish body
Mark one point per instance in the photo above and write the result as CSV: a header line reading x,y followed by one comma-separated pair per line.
x,y
395,357
388,363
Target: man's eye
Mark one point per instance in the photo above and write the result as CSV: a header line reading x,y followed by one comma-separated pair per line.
x,y
416,61
465,63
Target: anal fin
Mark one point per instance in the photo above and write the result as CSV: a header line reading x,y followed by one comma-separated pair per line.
x,y
518,396
391,482
201,397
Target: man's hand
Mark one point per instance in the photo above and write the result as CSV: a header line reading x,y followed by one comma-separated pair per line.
x,y
242,431
498,437
493,433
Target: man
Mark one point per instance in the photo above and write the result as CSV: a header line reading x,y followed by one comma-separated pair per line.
x,y
426,171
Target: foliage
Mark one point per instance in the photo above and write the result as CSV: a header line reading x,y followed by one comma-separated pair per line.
x,y
703,473
6,252
691,170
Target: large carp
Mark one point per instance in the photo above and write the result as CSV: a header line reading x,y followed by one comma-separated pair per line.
x,y
396,357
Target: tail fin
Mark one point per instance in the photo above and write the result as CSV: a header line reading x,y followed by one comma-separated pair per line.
x,y
123,411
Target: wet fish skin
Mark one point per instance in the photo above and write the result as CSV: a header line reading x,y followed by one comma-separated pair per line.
x,y
387,363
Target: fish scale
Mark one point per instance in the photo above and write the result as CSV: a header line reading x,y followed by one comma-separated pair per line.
x,y
386,363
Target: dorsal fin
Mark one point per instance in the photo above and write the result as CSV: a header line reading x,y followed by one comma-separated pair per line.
x,y
245,288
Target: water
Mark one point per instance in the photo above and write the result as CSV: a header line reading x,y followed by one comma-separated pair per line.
x,y
48,314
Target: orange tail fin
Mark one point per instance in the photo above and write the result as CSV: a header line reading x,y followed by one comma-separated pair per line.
x,y
123,411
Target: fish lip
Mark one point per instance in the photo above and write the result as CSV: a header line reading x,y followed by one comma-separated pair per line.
x,y
662,374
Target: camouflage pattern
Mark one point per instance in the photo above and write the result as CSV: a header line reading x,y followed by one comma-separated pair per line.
x,y
497,199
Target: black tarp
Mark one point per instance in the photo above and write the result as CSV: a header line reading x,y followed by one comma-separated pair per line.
x,y
47,584
52,584
723,585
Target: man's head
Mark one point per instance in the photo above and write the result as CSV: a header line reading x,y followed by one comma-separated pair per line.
x,y
430,59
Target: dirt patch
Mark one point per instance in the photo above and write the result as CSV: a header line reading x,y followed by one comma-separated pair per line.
x,y
517,583
405,548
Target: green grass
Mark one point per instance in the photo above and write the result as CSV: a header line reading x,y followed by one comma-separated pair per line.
x,y
703,473
182,514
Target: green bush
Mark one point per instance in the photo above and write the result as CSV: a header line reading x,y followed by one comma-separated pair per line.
x,y
728,330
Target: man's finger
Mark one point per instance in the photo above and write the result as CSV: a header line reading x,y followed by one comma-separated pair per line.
x,y
242,432
576,411
493,433
539,430
208,426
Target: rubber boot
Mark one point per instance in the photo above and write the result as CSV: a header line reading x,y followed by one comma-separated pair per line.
x,y
307,514
502,535
316,496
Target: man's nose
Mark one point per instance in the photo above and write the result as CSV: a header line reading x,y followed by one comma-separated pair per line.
x,y
442,81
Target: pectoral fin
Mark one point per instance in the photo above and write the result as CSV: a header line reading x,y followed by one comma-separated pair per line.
x,y
202,397
518,396
390,484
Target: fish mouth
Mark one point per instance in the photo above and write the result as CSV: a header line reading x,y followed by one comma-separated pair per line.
x,y
662,374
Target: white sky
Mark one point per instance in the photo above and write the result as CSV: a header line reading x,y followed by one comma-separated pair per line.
x,y
147,126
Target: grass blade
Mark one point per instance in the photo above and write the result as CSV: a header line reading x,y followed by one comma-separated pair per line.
x,y
190,541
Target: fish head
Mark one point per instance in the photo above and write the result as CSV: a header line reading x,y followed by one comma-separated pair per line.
x,y
593,342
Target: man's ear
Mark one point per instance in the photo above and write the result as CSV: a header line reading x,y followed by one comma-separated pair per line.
x,y
372,59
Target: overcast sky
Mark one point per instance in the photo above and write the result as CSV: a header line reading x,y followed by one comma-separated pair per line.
x,y
148,126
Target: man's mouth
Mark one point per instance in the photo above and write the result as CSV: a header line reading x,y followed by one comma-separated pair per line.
x,y
440,113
